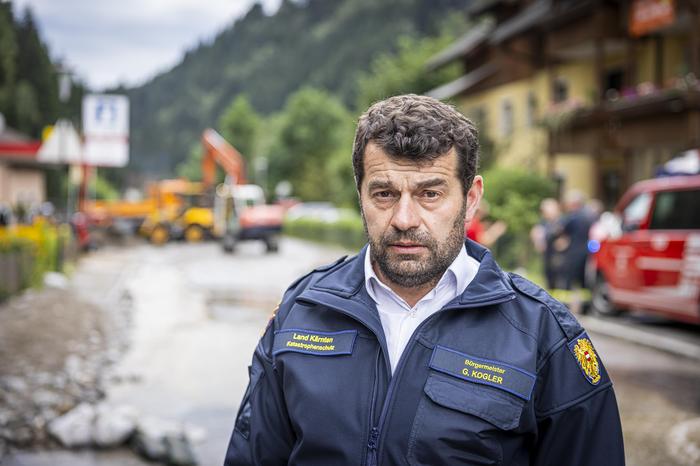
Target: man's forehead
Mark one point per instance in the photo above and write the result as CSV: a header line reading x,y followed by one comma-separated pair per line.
x,y
382,166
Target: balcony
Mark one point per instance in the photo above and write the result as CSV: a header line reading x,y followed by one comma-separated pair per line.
x,y
642,118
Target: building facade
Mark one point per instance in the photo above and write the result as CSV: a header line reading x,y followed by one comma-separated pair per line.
x,y
22,179
596,93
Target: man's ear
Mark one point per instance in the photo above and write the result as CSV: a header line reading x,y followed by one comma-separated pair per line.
x,y
474,195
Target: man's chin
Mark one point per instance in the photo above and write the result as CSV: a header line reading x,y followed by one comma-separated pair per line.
x,y
401,260
406,272
407,279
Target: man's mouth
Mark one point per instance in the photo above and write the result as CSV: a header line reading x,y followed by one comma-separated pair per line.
x,y
407,248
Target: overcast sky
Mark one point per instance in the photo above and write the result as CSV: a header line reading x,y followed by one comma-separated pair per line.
x,y
129,41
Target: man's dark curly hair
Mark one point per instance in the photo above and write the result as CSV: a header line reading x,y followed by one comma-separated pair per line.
x,y
419,128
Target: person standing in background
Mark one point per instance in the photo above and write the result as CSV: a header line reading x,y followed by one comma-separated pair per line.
x,y
543,236
575,225
483,231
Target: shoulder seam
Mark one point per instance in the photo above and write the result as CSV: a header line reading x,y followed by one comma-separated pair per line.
x,y
574,402
326,268
545,304
550,352
515,324
262,353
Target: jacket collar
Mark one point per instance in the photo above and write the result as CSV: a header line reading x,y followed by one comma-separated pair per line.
x,y
347,282
343,289
490,285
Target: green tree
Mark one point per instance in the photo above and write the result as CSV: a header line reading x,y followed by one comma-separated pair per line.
x,y
312,147
34,66
102,189
26,111
239,125
191,167
8,60
405,70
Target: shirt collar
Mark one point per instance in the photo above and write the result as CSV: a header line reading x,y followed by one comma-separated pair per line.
x,y
458,275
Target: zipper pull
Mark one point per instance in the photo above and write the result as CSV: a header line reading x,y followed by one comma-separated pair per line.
x,y
372,444
373,437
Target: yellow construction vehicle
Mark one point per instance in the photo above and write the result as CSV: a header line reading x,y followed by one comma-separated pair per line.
x,y
183,212
194,211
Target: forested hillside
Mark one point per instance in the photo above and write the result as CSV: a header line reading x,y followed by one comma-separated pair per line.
x,y
324,44
29,97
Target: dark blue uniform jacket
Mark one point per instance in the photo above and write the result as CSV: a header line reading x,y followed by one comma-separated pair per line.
x,y
502,375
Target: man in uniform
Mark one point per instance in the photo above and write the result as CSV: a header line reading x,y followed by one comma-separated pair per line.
x,y
420,350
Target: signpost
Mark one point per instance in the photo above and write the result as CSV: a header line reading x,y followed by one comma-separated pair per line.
x,y
106,130
105,140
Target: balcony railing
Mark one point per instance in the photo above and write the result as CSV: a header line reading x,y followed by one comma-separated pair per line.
x,y
644,100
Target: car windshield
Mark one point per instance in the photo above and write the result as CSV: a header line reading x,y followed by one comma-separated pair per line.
x,y
636,210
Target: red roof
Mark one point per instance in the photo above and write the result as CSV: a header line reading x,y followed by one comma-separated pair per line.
x,y
23,150
15,145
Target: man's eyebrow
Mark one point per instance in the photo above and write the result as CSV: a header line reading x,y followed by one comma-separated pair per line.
x,y
426,184
379,184
431,183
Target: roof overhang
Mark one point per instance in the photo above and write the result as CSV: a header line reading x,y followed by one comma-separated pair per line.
x,y
530,17
463,83
541,14
16,151
480,7
462,46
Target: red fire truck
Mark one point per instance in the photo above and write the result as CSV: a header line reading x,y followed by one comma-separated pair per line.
x,y
646,253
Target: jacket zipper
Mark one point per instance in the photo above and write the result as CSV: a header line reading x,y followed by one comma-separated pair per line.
x,y
371,459
372,447
374,441
377,429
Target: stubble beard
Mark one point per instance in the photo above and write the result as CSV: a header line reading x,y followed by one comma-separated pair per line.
x,y
408,271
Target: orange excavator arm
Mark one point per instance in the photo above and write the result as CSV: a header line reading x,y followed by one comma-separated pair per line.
x,y
219,152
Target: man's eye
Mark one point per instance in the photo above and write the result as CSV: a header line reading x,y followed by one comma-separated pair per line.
x,y
431,194
383,194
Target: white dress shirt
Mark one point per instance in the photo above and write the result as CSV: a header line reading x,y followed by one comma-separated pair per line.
x,y
399,320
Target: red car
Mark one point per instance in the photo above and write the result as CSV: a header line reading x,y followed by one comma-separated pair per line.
x,y
646,253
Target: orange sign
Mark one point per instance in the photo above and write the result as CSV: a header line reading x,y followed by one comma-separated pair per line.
x,y
650,15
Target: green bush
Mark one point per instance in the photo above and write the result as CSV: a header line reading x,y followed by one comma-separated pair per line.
x,y
347,232
39,248
514,197
13,244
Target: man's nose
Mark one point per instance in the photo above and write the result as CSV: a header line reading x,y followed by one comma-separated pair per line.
x,y
405,214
